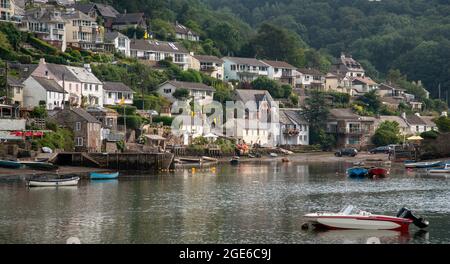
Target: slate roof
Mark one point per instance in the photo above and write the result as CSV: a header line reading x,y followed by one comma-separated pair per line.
x,y
246,61
366,80
429,120
104,10
291,117
83,75
129,18
153,45
397,119
111,36
190,85
415,120
116,87
85,115
13,81
279,64
309,71
77,15
208,58
58,70
343,113
49,84
350,63
183,29
246,95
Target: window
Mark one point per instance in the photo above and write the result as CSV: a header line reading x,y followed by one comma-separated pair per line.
x,y
109,95
77,126
70,87
233,67
167,91
96,87
79,142
122,42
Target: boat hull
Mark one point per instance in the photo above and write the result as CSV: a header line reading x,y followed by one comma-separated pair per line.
x,y
10,164
361,222
40,165
104,176
357,172
54,183
423,165
439,171
378,172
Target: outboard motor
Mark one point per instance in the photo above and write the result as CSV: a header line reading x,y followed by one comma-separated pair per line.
x,y
419,222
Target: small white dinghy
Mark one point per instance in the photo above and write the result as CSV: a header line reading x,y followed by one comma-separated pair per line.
x,y
44,182
445,169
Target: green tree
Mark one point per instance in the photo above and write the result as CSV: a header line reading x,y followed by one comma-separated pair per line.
x,y
181,94
443,124
387,133
316,114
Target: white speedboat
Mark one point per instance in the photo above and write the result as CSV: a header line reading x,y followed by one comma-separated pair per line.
x,y
445,169
351,217
422,165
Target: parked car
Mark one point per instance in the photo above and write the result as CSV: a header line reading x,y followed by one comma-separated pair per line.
x,y
384,149
352,152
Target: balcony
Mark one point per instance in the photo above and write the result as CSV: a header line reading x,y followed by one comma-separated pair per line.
x,y
208,68
291,131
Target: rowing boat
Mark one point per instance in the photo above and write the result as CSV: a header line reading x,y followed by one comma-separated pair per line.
x,y
44,182
104,176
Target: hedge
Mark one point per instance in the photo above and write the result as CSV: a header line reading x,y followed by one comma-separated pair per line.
x,y
42,45
166,120
8,55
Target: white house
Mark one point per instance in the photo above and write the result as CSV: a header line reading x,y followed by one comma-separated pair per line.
x,y
48,24
113,92
309,79
281,71
117,42
91,87
63,77
362,85
38,90
183,32
201,93
258,121
155,50
210,65
418,124
293,127
244,69
9,11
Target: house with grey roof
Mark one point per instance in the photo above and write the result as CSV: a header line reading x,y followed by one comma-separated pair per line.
x,y
42,91
133,20
155,50
185,33
346,65
86,128
254,120
307,78
83,32
418,124
350,129
64,77
10,12
244,69
293,127
199,92
210,65
281,71
48,25
91,86
106,13
113,92
117,42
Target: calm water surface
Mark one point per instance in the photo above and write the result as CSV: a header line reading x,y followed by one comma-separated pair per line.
x,y
250,203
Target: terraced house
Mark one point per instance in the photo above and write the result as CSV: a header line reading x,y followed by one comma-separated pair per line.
x,y
153,51
244,69
9,11
48,25
82,32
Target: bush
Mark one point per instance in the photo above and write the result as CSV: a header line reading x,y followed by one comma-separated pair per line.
x,y
387,133
430,134
61,139
39,112
181,94
166,120
132,121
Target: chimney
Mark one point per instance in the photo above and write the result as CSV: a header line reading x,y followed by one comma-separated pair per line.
x,y
88,67
417,114
42,61
404,115
191,53
444,114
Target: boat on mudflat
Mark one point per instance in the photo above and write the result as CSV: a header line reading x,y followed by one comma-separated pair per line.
x,y
9,164
40,165
46,182
378,172
235,160
444,169
357,172
423,165
351,217
104,176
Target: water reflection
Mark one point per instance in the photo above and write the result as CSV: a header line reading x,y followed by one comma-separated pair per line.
x,y
249,203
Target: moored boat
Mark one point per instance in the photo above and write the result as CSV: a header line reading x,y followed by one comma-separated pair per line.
x,y
378,172
351,217
40,165
104,176
235,160
423,165
273,155
9,164
357,172
444,169
45,182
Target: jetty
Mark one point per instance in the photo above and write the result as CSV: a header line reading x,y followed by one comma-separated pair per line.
x,y
116,161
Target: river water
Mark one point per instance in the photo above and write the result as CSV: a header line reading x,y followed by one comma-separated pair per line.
x,y
249,203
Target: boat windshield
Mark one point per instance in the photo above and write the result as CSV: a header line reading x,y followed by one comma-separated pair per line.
x,y
349,209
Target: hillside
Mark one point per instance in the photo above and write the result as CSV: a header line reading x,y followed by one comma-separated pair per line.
x,y
409,35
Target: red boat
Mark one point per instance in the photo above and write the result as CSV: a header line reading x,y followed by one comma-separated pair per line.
x,y
378,172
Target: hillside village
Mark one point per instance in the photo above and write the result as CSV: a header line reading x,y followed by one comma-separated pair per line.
x,y
57,86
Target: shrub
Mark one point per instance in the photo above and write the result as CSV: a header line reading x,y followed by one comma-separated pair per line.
x,y
430,134
132,121
181,93
166,120
42,46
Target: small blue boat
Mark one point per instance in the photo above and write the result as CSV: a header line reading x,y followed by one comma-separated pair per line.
x,y
104,176
10,164
357,172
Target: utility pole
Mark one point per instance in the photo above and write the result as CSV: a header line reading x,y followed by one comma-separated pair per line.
x,y
64,89
439,91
